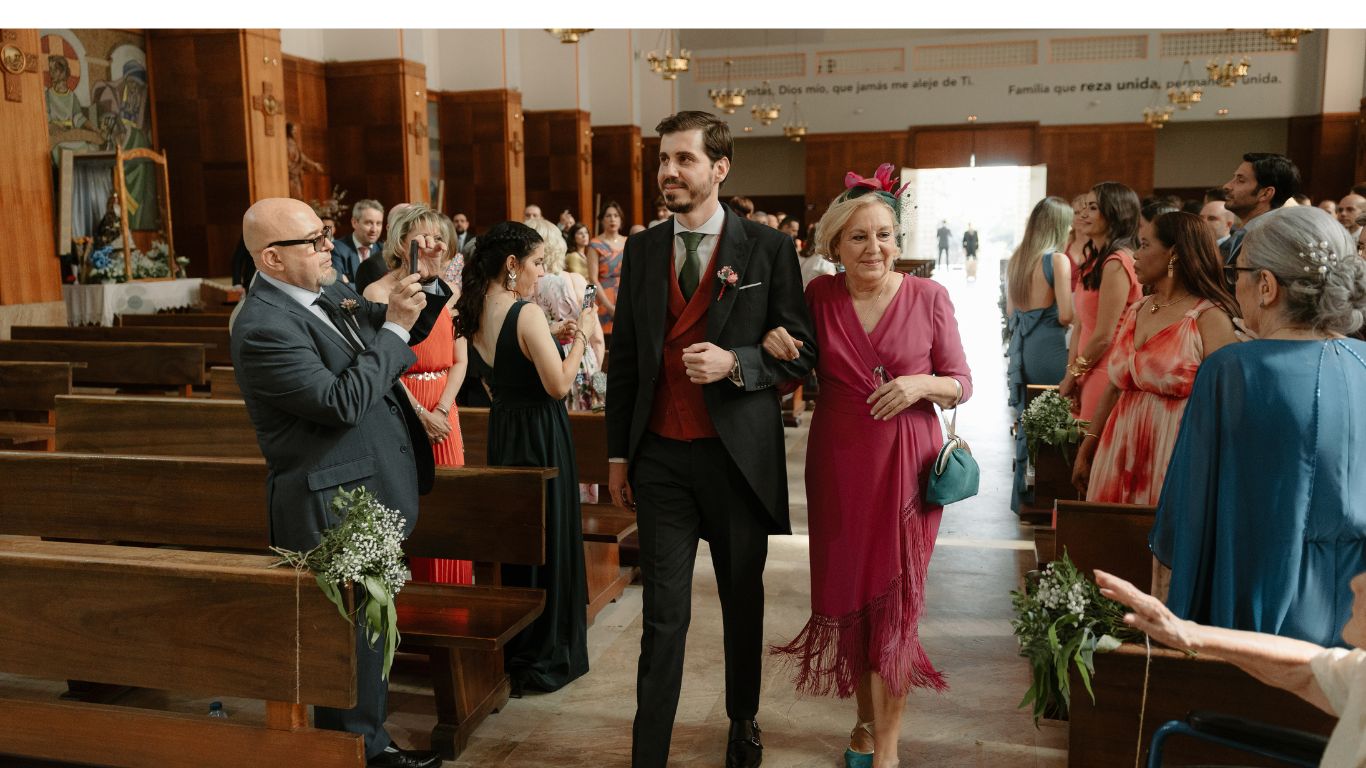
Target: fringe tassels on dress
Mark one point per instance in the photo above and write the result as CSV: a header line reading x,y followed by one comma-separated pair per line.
x,y
833,652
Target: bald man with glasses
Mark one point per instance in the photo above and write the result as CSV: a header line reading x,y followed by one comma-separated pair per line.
x,y
318,366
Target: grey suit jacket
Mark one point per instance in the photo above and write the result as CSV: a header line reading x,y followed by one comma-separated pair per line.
x,y
767,294
325,416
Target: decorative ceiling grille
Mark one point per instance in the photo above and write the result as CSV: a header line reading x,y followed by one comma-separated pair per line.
x,y
1219,43
712,69
1007,53
861,62
1076,50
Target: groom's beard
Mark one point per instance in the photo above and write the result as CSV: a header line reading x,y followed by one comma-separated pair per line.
x,y
686,199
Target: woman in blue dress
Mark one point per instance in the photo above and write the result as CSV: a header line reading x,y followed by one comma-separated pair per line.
x,y
1263,516
1039,308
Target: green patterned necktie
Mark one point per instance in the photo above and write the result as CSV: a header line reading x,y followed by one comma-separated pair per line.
x,y
689,276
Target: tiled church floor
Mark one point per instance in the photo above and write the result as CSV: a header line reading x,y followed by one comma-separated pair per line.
x,y
979,556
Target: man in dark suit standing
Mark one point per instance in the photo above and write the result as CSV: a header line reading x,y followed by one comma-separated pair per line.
x,y
694,426
318,367
367,222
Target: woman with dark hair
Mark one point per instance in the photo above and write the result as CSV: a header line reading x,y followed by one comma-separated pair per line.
x,y
604,262
576,254
529,376
1109,222
1160,345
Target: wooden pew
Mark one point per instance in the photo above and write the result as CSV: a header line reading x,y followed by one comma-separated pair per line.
x,y
118,364
216,341
155,426
200,623
1112,537
223,384
462,629
30,389
1052,481
175,320
605,527
1106,733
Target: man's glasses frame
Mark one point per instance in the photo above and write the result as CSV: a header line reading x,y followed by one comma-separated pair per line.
x,y
1231,271
316,242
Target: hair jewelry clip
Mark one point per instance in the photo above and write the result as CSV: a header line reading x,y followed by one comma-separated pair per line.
x,y
1319,258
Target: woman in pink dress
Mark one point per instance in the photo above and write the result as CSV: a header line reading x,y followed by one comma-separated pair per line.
x,y
1105,288
604,262
1159,347
433,381
889,351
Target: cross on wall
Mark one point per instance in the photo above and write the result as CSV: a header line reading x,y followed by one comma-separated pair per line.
x,y
267,105
14,62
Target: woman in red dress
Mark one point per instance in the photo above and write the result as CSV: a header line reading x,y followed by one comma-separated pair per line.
x,y
433,381
1160,345
889,352
1106,287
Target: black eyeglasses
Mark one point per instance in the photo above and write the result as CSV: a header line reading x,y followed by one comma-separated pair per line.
x,y
316,242
1231,271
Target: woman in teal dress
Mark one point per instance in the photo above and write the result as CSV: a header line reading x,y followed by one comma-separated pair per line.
x,y
529,376
1263,515
1039,307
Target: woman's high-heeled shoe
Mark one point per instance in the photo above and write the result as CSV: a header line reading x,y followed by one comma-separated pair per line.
x,y
854,758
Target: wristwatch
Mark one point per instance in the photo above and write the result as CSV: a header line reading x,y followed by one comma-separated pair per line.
x,y
734,376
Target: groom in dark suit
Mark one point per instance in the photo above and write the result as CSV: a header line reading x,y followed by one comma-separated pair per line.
x,y
318,366
694,426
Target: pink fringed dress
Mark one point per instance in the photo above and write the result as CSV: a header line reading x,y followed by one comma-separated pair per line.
x,y
872,534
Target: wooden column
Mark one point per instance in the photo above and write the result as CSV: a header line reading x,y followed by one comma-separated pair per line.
x,y
559,157
1080,156
221,121
831,155
372,148
29,270
1324,149
483,149
649,175
306,108
617,170
1360,162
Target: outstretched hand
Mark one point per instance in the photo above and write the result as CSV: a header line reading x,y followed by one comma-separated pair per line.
x,y
1149,614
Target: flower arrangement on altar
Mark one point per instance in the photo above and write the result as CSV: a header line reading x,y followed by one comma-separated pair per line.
x,y
363,550
1049,419
105,264
1061,619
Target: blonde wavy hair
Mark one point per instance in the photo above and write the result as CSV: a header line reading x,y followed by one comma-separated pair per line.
x,y
410,218
555,247
831,225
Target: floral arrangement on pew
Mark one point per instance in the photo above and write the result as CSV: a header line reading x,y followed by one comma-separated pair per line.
x,y
364,549
1049,419
1061,619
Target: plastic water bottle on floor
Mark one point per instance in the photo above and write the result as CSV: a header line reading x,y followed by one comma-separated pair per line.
x,y
216,710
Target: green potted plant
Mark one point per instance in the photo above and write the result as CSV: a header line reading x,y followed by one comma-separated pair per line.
x,y
1048,421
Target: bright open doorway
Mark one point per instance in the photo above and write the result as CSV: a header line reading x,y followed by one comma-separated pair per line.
x,y
996,201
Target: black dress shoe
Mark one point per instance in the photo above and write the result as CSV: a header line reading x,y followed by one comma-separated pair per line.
x,y
745,750
405,758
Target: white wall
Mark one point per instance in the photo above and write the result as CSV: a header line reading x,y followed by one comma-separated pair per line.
x,y
360,44
1343,70
468,60
304,43
1206,154
550,68
607,76
766,166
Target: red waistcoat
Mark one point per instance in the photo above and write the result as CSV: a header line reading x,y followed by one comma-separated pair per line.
x,y
679,411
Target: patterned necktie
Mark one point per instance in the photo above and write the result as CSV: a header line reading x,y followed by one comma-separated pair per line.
x,y
689,276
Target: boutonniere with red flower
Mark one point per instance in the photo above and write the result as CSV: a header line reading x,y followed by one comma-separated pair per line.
x,y
349,306
727,277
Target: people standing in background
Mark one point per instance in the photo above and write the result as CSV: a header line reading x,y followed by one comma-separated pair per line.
x,y
970,243
367,223
944,235
1260,184
576,252
604,262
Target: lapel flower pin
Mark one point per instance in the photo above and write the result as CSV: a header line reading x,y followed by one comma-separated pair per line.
x,y
349,306
727,277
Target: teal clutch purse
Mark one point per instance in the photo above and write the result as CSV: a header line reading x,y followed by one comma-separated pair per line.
x,y
954,476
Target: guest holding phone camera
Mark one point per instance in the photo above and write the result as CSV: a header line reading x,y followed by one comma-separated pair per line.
x,y
563,295
417,245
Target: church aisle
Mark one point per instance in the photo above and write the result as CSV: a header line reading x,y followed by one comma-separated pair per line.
x,y
980,554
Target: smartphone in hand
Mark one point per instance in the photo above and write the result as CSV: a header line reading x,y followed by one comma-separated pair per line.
x,y
412,257
590,295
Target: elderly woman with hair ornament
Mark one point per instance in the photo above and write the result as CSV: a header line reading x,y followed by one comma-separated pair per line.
x,y
1261,518
890,352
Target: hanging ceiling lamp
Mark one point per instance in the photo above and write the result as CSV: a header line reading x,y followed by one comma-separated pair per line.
x,y
728,99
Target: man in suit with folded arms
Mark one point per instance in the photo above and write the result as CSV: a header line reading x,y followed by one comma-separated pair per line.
x,y
694,426
318,366
367,222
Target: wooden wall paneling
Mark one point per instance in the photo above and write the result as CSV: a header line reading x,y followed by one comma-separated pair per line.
x,y
617,166
417,166
559,163
306,108
1080,156
953,146
29,270
484,155
1360,162
202,114
1324,148
831,155
367,150
264,83
649,176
